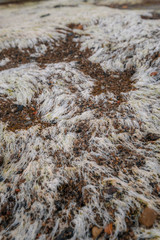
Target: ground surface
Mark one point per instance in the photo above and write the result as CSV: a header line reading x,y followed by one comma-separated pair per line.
x,y
80,120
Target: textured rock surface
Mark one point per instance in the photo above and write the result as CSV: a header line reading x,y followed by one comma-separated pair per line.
x,y
79,120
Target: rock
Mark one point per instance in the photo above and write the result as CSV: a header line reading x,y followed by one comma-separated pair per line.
x,y
148,217
108,229
96,232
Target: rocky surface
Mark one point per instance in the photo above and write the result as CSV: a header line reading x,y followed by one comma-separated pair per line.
x,y
79,120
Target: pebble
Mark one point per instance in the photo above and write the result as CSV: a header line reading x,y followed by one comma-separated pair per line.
x,y
80,27
153,74
148,217
17,190
96,232
108,229
19,108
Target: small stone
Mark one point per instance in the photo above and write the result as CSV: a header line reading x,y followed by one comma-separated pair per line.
x,y
19,108
148,217
35,113
153,74
108,229
80,27
17,190
96,232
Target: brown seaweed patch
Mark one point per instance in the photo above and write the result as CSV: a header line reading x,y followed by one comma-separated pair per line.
x,y
16,57
115,82
68,50
72,192
19,116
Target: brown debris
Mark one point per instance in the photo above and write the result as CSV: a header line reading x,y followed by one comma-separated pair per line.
x,y
67,50
19,116
72,191
107,81
148,217
104,81
16,57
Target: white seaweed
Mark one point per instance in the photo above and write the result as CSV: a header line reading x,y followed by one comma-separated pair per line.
x,y
113,36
